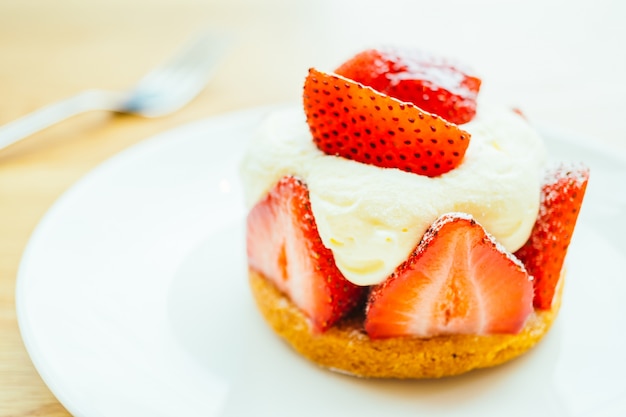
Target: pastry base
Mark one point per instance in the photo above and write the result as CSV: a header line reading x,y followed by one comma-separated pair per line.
x,y
346,348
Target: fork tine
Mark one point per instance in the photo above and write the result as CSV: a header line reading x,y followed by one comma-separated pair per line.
x,y
197,57
183,75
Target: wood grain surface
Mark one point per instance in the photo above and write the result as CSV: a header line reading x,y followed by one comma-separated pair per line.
x,y
562,62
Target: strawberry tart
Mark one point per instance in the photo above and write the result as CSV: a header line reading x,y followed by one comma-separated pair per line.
x,y
401,228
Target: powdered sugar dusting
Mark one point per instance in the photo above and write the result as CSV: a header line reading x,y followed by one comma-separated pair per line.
x,y
452,216
559,179
572,171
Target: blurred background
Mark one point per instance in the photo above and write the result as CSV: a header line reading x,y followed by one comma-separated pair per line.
x,y
563,62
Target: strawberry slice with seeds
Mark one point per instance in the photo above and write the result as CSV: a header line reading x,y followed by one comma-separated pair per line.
x,y
353,121
284,245
544,253
432,83
458,280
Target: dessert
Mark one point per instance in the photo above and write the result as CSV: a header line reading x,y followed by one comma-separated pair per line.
x,y
399,228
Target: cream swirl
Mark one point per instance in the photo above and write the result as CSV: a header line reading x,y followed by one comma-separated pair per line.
x,y
372,218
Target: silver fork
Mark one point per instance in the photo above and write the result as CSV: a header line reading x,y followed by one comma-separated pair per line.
x,y
163,90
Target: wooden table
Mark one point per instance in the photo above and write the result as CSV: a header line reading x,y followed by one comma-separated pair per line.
x,y
562,62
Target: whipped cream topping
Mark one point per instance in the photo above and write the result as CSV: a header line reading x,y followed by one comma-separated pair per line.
x,y
372,218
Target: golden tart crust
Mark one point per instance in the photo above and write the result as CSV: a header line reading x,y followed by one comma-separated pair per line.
x,y
346,348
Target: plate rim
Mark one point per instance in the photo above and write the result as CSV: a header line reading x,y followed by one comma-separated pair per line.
x,y
25,329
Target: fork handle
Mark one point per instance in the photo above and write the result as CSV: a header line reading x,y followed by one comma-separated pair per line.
x,y
54,113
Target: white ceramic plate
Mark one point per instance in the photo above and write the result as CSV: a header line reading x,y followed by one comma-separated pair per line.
x,y
132,301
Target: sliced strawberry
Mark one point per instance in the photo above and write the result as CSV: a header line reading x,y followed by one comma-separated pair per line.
x,y
370,67
544,252
458,280
284,245
432,83
356,122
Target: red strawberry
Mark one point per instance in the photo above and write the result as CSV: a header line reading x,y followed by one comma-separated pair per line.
x,y
356,122
458,280
544,252
432,83
284,245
